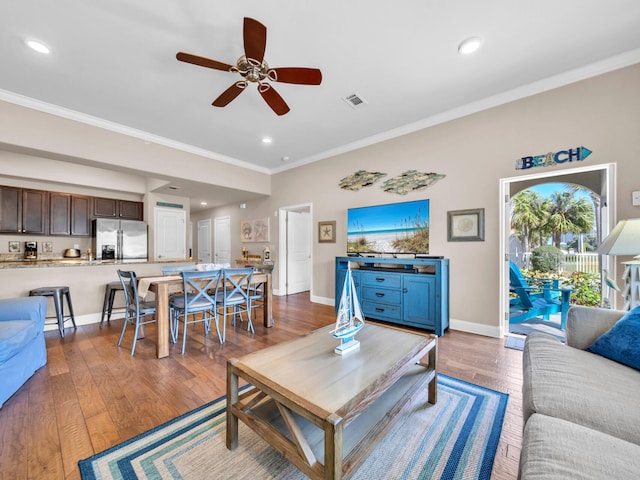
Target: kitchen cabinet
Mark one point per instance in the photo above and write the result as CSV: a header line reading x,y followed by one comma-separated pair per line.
x,y
114,208
69,215
23,210
412,292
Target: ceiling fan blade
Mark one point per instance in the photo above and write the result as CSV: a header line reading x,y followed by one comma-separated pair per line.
x,y
202,61
229,94
255,39
301,76
273,99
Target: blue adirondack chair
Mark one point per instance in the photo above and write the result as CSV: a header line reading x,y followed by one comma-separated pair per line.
x,y
540,300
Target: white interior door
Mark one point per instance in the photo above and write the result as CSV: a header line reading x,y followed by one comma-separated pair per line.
x,y
170,233
298,251
222,244
204,241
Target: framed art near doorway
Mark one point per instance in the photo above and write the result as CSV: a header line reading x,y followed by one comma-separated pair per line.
x,y
327,232
465,225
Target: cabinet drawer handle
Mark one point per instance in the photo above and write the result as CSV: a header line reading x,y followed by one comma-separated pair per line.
x,y
379,279
378,294
378,309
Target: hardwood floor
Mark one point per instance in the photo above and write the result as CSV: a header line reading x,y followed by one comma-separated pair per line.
x,y
92,395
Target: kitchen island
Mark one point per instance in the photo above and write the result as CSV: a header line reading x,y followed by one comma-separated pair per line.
x,y
86,281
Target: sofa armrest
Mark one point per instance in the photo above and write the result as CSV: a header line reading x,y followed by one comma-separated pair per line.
x,y
24,308
586,324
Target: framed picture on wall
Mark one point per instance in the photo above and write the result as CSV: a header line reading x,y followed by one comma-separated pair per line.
x,y
465,225
14,247
327,232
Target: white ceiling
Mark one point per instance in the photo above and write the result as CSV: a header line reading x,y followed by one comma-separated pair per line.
x,y
115,61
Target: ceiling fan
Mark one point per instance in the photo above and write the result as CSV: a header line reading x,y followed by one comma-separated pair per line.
x,y
253,68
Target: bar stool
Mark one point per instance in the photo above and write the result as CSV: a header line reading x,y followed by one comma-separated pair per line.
x,y
109,294
57,293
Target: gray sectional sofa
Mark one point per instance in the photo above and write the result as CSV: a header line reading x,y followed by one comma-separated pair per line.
x,y
581,410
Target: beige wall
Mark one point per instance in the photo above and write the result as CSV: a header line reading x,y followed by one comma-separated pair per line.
x,y
474,152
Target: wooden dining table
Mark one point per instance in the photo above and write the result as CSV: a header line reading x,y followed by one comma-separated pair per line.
x,y
162,286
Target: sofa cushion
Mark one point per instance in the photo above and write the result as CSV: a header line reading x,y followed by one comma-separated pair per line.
x,y
580,387
14,334
622,341
556,449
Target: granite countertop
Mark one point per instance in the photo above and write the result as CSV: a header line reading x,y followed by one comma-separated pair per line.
x,y
74,262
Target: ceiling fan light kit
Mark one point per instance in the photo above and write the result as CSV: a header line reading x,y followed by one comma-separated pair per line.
x,y
253,68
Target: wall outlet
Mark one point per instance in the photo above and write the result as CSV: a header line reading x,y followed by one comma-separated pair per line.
x,y
635,198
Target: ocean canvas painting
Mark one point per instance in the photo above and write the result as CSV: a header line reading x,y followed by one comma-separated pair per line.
x,y
390,228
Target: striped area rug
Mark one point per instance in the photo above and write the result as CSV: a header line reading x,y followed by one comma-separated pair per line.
x,y
455,439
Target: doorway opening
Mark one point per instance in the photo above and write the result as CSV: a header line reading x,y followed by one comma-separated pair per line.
x,y
295,262
599,181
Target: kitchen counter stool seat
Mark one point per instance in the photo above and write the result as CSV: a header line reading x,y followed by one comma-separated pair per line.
x,y
109,295
57,293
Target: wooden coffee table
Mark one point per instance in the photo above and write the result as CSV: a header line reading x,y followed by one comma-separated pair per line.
x,y
316,407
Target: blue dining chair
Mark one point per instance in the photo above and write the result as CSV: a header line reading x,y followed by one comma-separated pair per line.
x,y
137,311
198,297
233,292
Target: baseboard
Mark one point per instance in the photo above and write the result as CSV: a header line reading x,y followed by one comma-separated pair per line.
x,y
459,325
322,300
476,328
80,320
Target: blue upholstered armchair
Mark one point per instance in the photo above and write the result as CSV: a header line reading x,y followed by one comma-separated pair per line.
x,y
22,347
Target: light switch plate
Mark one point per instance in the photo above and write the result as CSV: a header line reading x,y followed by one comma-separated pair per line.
x,y
635,198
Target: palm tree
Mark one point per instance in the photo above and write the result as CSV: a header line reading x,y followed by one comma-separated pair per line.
x,y
527,216
568,214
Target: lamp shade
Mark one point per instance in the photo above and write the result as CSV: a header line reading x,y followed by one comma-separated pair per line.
x,y
624,239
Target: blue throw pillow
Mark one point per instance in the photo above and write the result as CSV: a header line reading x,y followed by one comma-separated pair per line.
x,y
621,342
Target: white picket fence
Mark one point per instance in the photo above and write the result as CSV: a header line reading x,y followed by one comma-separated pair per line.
x,y
574,262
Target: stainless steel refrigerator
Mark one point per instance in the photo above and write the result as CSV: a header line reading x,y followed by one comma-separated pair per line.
x,y
119,239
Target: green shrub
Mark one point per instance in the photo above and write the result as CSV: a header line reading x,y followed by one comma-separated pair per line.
x,y
547,258
586,288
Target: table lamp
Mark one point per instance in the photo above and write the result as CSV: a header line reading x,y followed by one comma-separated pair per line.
x,y
624,239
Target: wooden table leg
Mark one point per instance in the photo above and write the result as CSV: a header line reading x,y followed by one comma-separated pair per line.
x,y
433,385
333,448
162,319
267,308
232,399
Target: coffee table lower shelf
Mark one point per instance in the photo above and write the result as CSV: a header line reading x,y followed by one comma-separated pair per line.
x,y
302,439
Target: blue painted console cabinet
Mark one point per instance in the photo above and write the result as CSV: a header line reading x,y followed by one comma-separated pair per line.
x,y
405,291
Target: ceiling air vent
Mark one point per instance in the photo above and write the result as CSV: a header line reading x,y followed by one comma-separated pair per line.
x,y
355,100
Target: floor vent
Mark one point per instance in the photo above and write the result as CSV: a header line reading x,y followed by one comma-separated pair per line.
x,y
355,100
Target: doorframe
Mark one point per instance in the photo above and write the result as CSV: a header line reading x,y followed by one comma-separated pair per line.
x,y
282,266
505,225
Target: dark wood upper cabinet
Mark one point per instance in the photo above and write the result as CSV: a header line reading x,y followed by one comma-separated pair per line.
x,y
105,207
23,210
39,212
112,208
59,214
10,210
130,210
80,216
69,215
34,211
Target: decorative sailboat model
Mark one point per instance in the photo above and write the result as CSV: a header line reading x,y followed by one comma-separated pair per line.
x,y
350,319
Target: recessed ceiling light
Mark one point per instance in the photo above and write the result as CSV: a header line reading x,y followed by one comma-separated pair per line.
x,y
203,203
469,45
285,159
38,46
266,140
